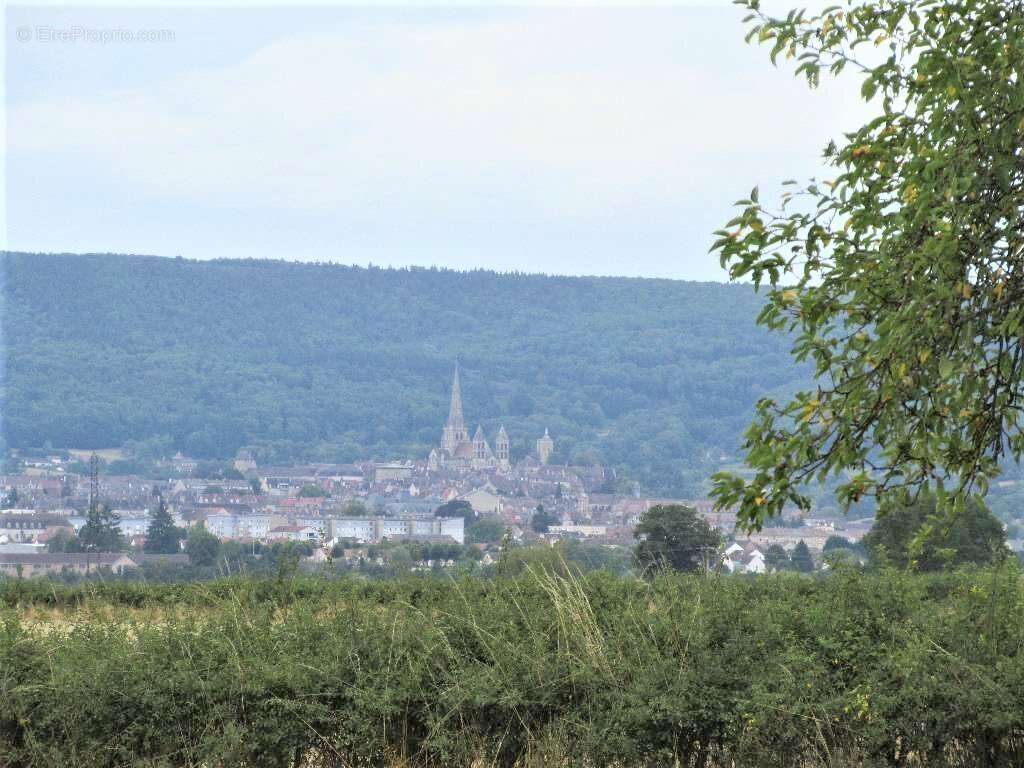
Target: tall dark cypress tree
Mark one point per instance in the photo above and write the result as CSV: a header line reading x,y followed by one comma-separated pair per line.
x,y
801,557
163,536
101,532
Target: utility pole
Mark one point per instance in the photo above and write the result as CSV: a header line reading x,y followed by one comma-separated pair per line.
x,y
94,482
94,497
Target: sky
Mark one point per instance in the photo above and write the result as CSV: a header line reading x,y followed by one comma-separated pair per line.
x,y
572,139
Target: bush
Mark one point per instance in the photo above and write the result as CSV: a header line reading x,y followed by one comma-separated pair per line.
x,y
886,668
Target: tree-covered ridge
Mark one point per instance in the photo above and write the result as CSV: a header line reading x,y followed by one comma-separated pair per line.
x,y
313,361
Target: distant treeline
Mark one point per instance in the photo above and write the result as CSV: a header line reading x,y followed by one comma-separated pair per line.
x,y
882,669
326,362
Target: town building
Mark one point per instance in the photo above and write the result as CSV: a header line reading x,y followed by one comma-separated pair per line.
x,y
459,451
27,565
545,446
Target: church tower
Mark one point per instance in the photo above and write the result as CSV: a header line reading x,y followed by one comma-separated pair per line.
x,y
544,447
501,448
481,450
454,432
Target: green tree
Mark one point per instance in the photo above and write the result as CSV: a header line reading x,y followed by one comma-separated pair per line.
x,y
675,537
541,520
486,530
801,557
102,531
63,540
312,492
456,508
163,536
257,486
839,556
355,508
521,404
202,546
837,542
917,536
777,558
899,275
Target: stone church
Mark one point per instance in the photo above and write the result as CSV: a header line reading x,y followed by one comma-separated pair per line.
x,y
457,450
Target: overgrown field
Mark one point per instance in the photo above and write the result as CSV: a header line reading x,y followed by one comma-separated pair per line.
x,y
850,669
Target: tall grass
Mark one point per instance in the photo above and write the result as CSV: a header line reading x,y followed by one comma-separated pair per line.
x,y
542,669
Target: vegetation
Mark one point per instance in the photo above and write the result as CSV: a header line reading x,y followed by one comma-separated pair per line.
x,y
322,362
776,558
675,537
891,668
457,508
801,557
312,492
541,520
914,536
163,536
486,530
202,547
900,275
101,532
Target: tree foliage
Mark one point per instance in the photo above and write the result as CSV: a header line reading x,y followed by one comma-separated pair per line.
x,y
163,536
915,536
801,557
544,668
486,530
311,491
541,520
674,537
202,546
317,362
102,531
901,274
777,558
456,508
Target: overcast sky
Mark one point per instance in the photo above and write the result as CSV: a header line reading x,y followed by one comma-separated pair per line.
x,y
572,140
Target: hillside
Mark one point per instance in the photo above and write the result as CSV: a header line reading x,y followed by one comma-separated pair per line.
x,y
309,361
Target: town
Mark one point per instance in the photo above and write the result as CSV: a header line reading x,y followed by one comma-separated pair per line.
x,y
465,492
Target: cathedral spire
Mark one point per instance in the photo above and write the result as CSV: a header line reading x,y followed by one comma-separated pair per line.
x,y
455,409
454,433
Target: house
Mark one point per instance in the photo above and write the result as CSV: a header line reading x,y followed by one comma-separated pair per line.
x,y
221,524
755,562
383,473
244,462
178,560
585,531
740,559
484,501
357,528
373,529
29,528
293,533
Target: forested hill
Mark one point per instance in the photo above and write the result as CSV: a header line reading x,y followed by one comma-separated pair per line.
x,y
326,362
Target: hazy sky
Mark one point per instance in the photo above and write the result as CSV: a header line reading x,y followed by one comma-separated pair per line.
x,y
576,140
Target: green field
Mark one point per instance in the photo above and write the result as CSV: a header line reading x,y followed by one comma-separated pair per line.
x,y
542,669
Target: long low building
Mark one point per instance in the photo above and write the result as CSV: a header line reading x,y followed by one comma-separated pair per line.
x,y
26,565
374,529
29,528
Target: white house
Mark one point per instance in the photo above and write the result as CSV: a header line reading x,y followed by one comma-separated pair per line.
x,y
484,501
739,559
